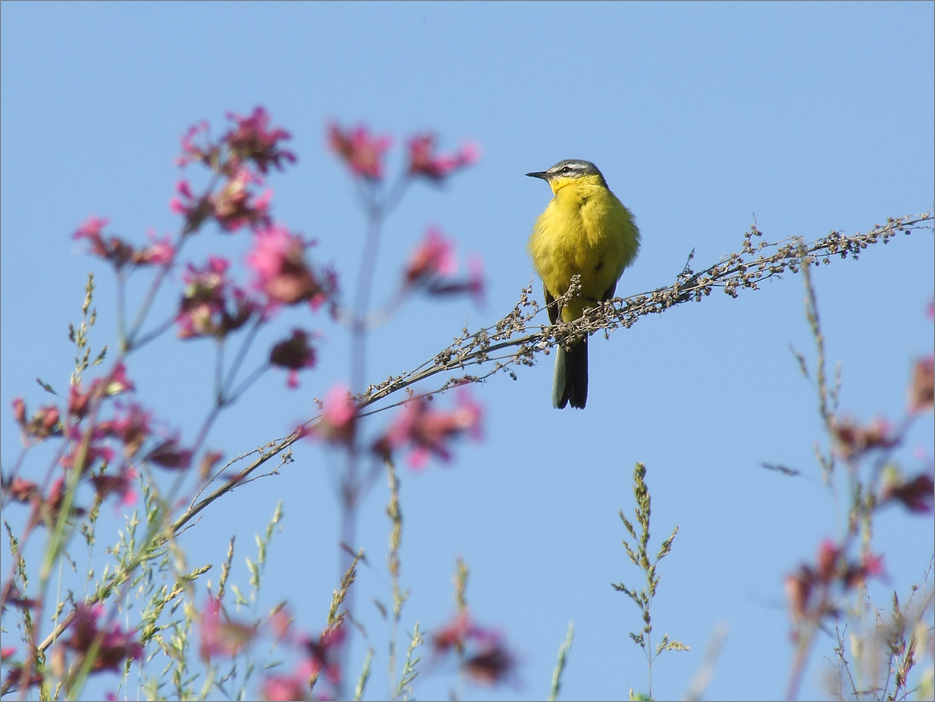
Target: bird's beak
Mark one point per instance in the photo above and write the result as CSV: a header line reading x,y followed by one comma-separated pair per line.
x,y
539,174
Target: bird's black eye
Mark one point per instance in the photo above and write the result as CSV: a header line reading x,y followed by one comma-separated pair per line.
x,y
566,169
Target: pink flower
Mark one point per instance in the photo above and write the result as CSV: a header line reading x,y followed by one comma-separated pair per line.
x,y
434,257
235,205
852,440
114,647
44,423
254,140
113,249
211,305
433,263
170,455
195,210
131,427
219,635
916,495
922,387
159,253
813,590
92,230
476,284
361,151
482,653
338,418
278,258
86,458
191,153
424,161
118,382
293,353
121,485
323,653
288,687
428,431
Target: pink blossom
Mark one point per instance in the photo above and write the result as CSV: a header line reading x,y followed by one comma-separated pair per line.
x,y
922,386
361,151
294,353
131,427
424,161
278,259
916,495
92,230
428,431
434,257
339,413
118,382
44,423
121,485
254,140
170,455
288,687
235,205
219,635
195,210
114,646
212,305
852,440
432,265
114,249
191,153
323,653
89,456
481,651
160,252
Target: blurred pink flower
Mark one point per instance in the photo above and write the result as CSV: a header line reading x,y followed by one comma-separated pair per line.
x,y
293,353
254,140
114,646
120,484
428,431
131,427
362,152
235,205
482,653
286,688
338,418
278,259
170,455
160,252
424,161
916,495
219,635
432,258
922,387
432,265
192,153
211,304
120,253
851,440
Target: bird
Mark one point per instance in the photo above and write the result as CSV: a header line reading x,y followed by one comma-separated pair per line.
x,y
585,231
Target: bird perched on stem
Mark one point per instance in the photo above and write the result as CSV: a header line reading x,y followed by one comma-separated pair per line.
x,y
585,231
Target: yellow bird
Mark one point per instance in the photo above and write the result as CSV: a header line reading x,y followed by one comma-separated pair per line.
x,y
585,231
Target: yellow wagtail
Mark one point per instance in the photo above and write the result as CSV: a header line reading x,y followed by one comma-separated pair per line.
x,y
584,231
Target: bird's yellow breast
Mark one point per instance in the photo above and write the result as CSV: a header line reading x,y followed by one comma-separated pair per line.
x,y
586,231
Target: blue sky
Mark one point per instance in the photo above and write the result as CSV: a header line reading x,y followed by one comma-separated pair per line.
x,y
702,117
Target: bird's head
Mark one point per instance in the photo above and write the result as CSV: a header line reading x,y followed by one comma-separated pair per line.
x,y
570,171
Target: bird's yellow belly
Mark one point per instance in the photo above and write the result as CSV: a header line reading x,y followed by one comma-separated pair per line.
x,y
584,240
